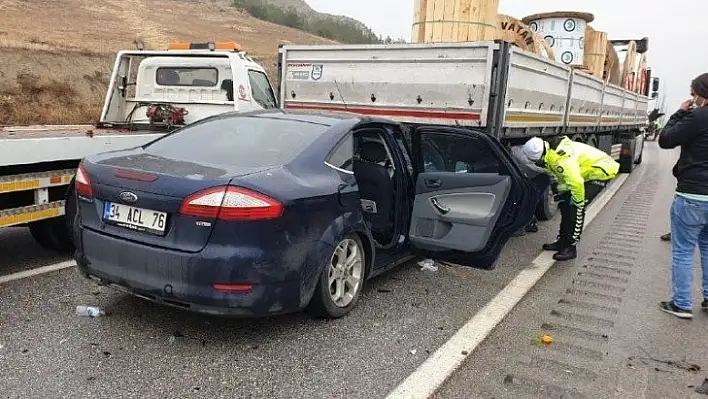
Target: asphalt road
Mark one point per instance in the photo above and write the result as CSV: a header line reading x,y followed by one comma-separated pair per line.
x,y
144,350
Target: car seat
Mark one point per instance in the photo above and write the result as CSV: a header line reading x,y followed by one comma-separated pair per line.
x,y
376,187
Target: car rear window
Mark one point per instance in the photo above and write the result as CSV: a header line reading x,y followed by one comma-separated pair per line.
x,y
239,141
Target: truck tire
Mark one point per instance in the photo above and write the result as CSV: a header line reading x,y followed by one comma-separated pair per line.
x,y
52,234
546,208
71,214
641,155
626,161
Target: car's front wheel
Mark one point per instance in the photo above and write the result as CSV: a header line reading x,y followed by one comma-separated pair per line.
x,y
342,280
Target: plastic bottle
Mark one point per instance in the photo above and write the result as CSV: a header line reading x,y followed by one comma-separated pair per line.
x,y
89,311
428,265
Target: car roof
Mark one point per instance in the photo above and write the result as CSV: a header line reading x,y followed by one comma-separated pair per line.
x,y
328,118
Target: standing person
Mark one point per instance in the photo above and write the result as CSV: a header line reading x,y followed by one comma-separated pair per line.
x,y
581,172
688,129
539,176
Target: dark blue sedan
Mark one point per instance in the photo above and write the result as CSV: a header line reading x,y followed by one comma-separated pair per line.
x,y
274,212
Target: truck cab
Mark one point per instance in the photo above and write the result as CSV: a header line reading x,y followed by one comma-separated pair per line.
x,y
183,84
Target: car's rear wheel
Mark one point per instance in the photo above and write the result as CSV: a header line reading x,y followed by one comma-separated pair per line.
x,y
342,280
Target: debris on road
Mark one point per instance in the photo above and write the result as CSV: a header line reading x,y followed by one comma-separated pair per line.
x,y
414,351
179,334
89,311
428,265
542,340
680,364
703,388
384,290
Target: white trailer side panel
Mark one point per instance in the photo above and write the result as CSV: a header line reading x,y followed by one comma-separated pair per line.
x,y
537,89
642,109
612,106
585,100
629,109
447,83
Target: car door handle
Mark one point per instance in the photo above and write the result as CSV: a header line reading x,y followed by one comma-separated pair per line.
x,y
440,207
433,183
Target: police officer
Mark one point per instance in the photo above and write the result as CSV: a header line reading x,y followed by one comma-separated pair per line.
x,y
581,172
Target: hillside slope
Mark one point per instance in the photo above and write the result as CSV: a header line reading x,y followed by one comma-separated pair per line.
x,y
302,7
56,55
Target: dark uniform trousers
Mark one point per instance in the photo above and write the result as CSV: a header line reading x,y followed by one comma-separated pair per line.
x,y
573,217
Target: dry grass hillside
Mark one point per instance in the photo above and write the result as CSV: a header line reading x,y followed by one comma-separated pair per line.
x,y
56,55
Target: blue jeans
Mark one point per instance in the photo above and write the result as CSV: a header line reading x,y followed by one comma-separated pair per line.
x,y
689,227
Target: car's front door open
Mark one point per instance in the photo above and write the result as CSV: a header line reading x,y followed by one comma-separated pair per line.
x,y
470,197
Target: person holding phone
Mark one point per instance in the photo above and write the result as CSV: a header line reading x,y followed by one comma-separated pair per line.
x,y
688,129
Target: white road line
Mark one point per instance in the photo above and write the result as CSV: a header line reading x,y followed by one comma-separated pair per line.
x,y
37,271
430,375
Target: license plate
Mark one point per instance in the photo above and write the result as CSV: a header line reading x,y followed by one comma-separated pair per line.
x,y
135,218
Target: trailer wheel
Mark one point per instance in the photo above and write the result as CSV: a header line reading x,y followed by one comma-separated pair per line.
x,y
71,212
641,155
52,234
626,161
546,208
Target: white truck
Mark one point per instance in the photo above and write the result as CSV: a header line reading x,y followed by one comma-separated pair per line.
x,y
509,93
150,93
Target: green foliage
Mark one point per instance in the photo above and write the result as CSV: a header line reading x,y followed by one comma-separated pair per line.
x,y
329,27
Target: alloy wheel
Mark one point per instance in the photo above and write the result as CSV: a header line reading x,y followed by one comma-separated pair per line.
x,y
346,271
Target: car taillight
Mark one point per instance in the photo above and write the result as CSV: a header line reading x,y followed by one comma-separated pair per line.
x,y
82,183
231,203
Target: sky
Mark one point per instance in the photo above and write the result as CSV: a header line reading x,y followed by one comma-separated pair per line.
x,y
676,36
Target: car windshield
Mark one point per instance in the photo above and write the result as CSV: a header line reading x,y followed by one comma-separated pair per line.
x,y
239,141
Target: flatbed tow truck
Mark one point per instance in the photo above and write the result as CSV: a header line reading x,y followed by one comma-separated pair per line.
x,y
150,93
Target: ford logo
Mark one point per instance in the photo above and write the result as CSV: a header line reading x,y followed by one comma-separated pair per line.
x,y
127,196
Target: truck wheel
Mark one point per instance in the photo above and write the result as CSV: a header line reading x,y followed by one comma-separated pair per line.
x,y
546,208
626,164
626,161
71,212
639,160
641,155
52,234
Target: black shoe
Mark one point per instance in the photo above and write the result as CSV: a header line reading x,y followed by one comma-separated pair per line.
x,y
554,246
670,308
666,237
704,305
532,228
568,253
